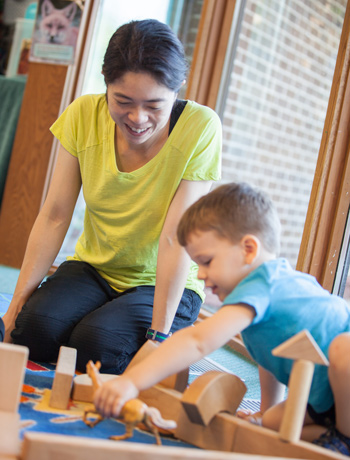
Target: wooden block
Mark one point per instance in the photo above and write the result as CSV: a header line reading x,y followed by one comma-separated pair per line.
x,y
177,382
83,388
218,435
13,360
211,393
229,433
255,440
63,380
301,346
9,433
305,351
298,393
42,446
166,400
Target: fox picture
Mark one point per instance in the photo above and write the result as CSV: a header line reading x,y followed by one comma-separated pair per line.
x,y
56,24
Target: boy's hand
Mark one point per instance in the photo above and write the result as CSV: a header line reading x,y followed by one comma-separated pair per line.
x,y
110,398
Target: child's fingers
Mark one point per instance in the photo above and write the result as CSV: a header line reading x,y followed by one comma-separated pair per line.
x,y
106,402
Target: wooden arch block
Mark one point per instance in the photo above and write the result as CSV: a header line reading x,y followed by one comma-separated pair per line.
x,y
211,393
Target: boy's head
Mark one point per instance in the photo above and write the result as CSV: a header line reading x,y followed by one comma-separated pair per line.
x,y
233,211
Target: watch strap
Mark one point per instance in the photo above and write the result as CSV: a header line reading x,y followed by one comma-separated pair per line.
x,y
152,334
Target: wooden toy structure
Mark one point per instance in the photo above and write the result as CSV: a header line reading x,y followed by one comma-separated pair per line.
x,y
204,414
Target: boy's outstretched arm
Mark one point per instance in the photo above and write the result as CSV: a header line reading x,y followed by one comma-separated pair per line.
x,y
178,352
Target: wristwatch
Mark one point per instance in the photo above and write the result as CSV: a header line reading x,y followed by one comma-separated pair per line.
x,y
152,334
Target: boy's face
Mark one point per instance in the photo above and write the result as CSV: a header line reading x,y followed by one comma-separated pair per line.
x,y
221,263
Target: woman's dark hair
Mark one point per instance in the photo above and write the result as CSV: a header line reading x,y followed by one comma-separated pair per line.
x,y
146,46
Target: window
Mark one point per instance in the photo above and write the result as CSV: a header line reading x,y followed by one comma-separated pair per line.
x,y
274,101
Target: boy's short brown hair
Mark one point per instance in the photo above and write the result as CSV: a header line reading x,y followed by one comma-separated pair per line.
x,y
232,211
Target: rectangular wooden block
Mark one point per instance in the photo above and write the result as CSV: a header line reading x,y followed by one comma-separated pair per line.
x,y
83,388
166,400
9,434
42,446
218,435
63,380
13,361
253,439
229,433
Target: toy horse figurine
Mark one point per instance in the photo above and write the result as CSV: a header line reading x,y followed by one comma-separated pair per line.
x,y
133,412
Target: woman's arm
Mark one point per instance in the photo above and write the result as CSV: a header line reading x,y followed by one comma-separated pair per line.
x,y
47,234
175,354
173,262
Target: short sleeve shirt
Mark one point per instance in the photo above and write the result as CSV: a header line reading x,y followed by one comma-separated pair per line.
x,y
125,212
286,302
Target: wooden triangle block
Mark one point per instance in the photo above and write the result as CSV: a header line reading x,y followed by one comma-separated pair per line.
x,y
301,346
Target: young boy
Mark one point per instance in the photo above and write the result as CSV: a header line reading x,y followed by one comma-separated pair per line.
x,y
233,235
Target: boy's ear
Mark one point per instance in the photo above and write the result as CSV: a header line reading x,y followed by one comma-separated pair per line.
x,y
251,247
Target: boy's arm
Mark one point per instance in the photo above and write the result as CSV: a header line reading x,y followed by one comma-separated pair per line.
x,y
175,354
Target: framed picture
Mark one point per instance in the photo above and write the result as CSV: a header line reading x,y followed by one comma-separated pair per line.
x,y
56,31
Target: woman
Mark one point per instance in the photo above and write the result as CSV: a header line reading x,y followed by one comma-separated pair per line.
x,y
142,157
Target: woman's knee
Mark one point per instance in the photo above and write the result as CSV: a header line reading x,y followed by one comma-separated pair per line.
x,y
39,320
187,311
114,351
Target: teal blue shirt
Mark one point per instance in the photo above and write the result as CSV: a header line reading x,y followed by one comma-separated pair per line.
x,y
286,302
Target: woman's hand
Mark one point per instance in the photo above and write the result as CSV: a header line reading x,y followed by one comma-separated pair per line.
x,y
110,398
9,322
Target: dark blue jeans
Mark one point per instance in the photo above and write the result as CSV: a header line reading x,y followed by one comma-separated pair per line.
x,y
77,308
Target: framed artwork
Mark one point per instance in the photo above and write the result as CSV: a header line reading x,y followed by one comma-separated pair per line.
x,y
56,31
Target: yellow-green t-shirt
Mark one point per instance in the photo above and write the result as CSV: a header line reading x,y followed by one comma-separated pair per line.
x,y
125,212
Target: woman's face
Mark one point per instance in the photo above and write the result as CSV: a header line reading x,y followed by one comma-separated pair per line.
x,y
140,107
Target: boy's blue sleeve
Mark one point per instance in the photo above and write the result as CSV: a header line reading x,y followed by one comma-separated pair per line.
x,y
2,330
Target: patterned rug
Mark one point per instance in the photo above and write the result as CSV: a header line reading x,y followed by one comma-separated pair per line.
x,y
37,415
